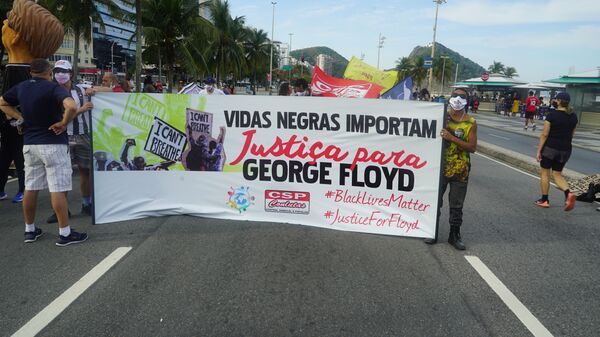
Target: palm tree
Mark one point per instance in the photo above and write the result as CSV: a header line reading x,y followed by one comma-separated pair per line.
x,y
226,49
76,16
257,52
170,28
510,72
439,69
496,67
417,70
138,45
403,67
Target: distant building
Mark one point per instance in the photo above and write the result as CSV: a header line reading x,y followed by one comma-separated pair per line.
x,y
204,11
67,50
325,62
114,48
584,89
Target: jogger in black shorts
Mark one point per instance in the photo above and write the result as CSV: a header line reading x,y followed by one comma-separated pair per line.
x,y
554,149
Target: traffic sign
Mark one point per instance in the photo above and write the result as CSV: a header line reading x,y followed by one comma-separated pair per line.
x,y
485,76
427,63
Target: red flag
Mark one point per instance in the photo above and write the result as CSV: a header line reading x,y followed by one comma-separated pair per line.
x,y
325,85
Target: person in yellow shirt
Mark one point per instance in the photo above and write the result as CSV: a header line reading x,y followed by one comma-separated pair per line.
x,y
460,136
516,106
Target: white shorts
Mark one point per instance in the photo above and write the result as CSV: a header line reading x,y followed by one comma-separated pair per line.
x,y
47,166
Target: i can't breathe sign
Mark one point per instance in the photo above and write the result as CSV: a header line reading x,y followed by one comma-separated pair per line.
x,y
165,141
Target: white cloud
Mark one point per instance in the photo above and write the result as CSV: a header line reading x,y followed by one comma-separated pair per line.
x,y
488,12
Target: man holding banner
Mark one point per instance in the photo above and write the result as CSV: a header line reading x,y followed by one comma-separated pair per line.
x,y
461,137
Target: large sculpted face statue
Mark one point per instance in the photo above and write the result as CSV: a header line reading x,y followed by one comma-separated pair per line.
x,y
30,31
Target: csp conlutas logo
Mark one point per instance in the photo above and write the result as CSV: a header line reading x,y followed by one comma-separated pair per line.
x,y
295,202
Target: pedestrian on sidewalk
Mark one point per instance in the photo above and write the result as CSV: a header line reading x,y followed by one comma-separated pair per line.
x,y
45,149
531,107
516,105
79,133
554,149
460,135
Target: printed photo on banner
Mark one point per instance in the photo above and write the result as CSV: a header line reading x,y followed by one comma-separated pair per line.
x,y
205,152
165,141
103,161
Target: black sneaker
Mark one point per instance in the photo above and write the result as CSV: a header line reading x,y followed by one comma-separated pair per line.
x,y
33,236
74,237
86,209
54,219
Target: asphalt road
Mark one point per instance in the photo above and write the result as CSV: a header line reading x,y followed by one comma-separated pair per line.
x,y
189,276
582,160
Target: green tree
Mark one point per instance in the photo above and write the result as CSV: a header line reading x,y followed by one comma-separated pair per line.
x,y
75,17
257,48
441,68
496,68
225,52
510,72
418,71
138,45
403,67
173,33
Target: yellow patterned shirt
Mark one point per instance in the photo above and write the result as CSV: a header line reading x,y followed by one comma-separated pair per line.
x,y
457,162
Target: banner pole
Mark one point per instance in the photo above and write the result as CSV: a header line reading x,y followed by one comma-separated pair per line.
x,y
440,196
92,171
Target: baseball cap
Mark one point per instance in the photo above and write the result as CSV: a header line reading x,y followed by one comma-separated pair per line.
x,y
63,64
209,80
563,96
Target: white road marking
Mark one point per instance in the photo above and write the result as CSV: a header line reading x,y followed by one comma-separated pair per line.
x,y
493,135
41,320
514,168
511,301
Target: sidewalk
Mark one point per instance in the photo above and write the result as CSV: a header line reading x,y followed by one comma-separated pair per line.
x,y
585,137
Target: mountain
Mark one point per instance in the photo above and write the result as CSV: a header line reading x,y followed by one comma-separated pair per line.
x,y
466,68
310,55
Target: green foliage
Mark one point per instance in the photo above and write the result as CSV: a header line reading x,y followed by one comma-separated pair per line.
x,y
496,68
310,55
510,72
169,28
466,67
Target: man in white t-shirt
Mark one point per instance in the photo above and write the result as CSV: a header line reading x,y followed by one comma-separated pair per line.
x,y
211,88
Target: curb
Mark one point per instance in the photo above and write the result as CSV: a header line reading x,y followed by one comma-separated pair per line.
x,y
521,161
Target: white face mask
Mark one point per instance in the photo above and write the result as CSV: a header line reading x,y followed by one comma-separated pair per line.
x,y
457,103
300,93
62,78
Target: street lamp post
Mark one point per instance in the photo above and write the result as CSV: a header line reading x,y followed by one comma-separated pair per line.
x,y
456,74
290,57
443,72
272,34
379,46
437,5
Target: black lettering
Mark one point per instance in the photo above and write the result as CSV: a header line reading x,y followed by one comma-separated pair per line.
x,y
230,117
369,181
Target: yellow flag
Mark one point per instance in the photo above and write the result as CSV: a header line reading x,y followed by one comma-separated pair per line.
x,y
358,70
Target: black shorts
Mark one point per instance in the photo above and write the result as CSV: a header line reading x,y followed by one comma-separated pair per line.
x,y
530,115
554,159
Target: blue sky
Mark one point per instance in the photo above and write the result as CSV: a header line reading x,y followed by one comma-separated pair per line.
x,y
542,39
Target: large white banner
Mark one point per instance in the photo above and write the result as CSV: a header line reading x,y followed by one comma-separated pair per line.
x,y
349,164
